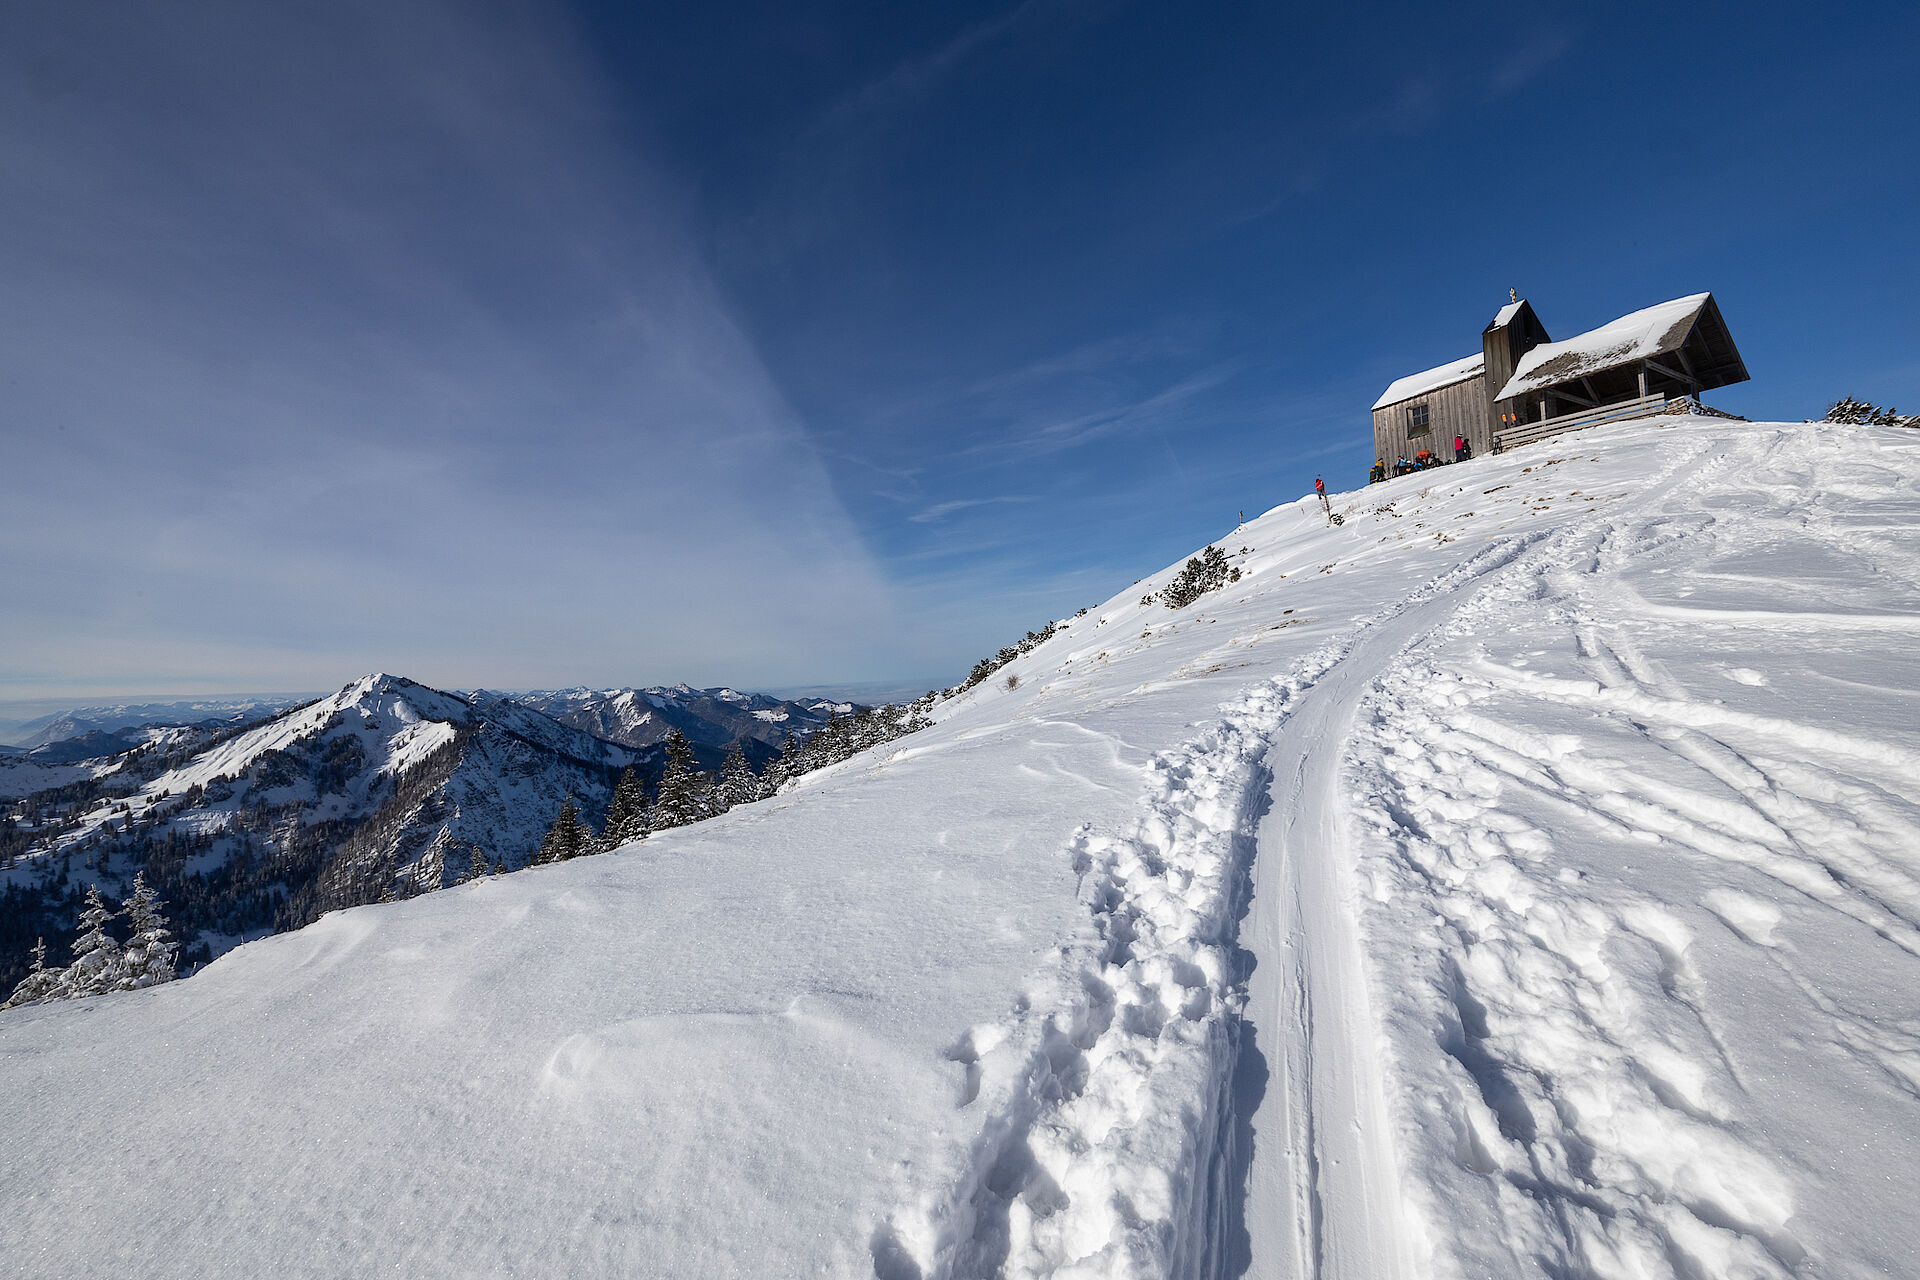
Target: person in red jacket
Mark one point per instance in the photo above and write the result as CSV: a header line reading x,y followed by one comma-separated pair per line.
x,y
1460,451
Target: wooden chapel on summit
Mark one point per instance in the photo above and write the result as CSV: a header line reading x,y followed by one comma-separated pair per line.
x,y
1521,385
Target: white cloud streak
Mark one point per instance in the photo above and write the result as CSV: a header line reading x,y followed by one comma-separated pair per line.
x,y
941,510
351,335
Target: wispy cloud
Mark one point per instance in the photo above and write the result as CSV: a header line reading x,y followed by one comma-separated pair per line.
x,y
349,336
1528,63
916,76
820,185
941,510
1154,409
1409,108
1421,100
1115,350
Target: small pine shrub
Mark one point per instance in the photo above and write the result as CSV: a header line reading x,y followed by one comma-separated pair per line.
x,y
987,666
1861,413
1205,572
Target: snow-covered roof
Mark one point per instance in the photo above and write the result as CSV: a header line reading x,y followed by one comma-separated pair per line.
x,y
1650,332
1507,313
1418,384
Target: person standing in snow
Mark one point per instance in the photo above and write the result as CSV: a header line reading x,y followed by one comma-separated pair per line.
x,y
1460,450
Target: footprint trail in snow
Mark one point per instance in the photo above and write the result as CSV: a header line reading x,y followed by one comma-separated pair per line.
x,y
1563,888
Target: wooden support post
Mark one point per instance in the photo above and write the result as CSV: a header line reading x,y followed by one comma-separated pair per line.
x,y
1643,379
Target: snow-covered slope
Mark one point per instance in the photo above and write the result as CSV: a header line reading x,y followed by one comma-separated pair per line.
x,y
1519,878
22,775
89,754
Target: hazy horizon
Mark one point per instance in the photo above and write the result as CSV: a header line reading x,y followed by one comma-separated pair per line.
x,y
18,715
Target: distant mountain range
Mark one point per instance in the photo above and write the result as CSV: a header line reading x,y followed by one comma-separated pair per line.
x,y
386,788
118,718
713,720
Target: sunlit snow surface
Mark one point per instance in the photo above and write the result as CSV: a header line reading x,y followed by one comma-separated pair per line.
x,y
1521,878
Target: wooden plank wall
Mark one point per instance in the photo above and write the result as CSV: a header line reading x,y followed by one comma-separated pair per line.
x,y
1460,409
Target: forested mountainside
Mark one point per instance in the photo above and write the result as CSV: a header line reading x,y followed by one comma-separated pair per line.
x,y
387,789
712,720
381,790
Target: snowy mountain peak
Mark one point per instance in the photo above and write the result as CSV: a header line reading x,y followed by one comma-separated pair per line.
x,y
371,683
398,702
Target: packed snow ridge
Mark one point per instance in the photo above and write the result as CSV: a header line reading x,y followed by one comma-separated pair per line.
x,y
1519,878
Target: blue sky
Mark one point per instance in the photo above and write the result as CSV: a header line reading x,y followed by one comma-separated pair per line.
x,y
533,344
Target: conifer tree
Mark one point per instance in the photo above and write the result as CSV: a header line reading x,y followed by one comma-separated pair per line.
x,y
41,983
582,840
98,964
627,817
738,785
707,792
781,767
567,838
150,947
803,753
679,801
477,865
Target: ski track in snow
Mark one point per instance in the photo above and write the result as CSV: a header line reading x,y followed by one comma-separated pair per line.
x,y
1107,1110
1100,1107
1581,1115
